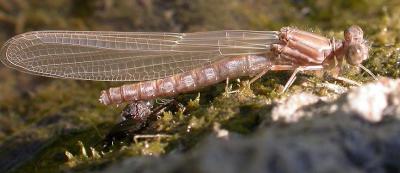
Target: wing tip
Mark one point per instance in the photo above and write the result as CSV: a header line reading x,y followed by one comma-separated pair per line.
x,y
12,44
4,56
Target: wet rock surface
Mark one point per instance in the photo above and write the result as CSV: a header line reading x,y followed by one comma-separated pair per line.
x,y
371,101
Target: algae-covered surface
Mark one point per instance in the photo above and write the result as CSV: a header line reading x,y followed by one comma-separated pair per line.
x,y
55,125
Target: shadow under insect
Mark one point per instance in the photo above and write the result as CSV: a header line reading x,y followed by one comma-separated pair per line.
x,y
136,116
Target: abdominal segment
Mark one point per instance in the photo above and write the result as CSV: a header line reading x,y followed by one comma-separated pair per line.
x,y
214,73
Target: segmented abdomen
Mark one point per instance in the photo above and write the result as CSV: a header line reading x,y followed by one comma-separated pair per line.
x,y
188,81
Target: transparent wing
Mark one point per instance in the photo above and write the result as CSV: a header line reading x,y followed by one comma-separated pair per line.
x,y
127,56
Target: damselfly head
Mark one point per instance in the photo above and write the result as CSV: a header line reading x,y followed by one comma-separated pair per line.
x,y
356,48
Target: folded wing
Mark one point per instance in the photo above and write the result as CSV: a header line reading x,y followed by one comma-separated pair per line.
x,y
127,56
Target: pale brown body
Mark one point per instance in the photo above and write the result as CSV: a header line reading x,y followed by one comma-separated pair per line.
x,y
188,81
297,48
167,64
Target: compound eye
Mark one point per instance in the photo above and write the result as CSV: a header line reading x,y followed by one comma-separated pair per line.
x,y
356,54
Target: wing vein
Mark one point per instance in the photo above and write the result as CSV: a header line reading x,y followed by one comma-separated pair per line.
x,y
127,56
